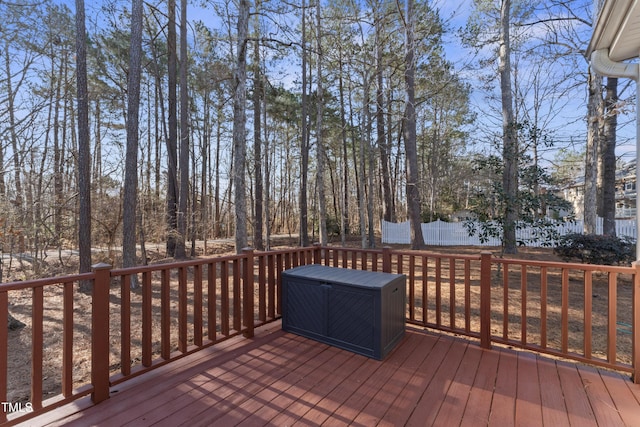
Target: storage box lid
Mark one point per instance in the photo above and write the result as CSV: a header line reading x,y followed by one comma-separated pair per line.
x,y
346,276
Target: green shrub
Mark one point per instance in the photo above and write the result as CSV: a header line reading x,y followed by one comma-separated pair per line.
x,y
596,249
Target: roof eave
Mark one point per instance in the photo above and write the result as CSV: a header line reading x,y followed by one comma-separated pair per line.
x,y
607,30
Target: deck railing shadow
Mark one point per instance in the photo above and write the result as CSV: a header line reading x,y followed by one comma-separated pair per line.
x,y
587,313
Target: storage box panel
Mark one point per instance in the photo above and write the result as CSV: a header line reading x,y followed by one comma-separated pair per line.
x,y
351,319
306,302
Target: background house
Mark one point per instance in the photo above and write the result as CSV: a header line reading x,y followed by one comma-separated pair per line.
x,y
626,193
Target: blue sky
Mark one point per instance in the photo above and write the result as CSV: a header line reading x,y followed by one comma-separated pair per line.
x,y
569,124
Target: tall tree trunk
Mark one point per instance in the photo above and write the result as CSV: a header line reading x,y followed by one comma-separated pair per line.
x,y
129,214
84,160
172,140
371,194
267,182
413,191
594,114
183,195
58,158
217,210
344,216
608,151
258,242
239,123
304,143
509,138
97,148
205,155
18,203
388,209
357,155
322,201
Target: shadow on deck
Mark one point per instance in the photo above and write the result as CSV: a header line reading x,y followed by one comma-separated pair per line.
x,y
277,378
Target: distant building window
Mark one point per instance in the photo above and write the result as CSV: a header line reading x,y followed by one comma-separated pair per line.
x,y
630,186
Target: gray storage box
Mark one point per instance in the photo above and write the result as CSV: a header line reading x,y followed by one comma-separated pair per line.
x,y
360,311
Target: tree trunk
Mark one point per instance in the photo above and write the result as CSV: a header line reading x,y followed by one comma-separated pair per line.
x,y
359,165
172,140
594,114
84,160
304,143
183,195
17,156
129,208
58,184
410,145
267,185
217,210
509,138
258,242
344,216
387,198
239,123
322,202
608,151
205,156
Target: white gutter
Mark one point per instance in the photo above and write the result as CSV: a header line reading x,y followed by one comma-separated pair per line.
x,y
603,65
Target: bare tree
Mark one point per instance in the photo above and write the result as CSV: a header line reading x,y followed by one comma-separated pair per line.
x,y
84,160
607,163
258,90
239,123
509,137
304,143
385,172
594,113
172,140
131,160
183,196
320,149
413,192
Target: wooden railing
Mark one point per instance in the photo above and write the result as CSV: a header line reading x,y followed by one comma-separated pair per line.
x,y
583,312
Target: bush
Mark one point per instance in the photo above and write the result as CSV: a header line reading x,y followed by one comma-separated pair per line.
x,y
596,249
428,216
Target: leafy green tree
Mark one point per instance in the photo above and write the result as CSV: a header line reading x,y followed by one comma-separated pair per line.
x,y
488,204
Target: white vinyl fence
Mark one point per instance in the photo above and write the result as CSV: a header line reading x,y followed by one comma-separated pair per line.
x,y
440,233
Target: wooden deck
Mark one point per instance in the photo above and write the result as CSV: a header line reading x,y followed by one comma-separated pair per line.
x,y
282,379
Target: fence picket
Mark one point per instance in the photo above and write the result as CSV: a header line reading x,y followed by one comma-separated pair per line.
x,y
440,233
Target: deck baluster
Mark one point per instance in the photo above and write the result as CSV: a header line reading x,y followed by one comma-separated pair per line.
x,y
485,300
248,297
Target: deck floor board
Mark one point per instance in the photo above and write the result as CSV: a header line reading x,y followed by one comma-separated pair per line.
x,y
278,378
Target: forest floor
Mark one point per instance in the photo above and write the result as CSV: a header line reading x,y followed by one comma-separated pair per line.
x,y
19,372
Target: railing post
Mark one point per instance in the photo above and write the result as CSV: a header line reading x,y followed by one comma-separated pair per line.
x,y
386,259
635,307
317,253
248,291
100,332
485,300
